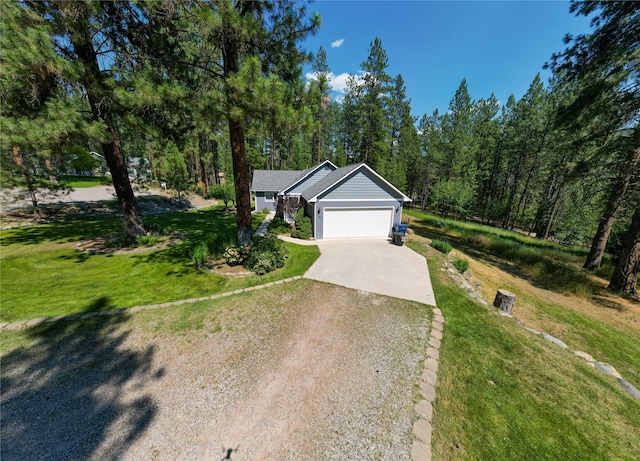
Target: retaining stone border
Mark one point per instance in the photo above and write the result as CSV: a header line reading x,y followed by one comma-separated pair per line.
x,y
128,310
473,292
421,449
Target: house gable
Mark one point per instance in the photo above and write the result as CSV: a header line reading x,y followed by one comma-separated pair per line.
x,y
311,177
360,185
354,182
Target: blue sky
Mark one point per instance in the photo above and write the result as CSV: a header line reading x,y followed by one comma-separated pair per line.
x,y
497,46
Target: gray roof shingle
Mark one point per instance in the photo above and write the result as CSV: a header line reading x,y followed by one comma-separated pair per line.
x,y
274,180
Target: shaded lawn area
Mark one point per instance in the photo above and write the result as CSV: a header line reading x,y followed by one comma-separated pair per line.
x,y
503,393
43,275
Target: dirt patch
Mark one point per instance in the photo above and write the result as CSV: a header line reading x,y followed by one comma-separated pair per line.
x,y
302,371
220,267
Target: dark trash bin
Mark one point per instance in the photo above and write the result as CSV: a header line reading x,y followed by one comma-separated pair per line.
x,y
398,238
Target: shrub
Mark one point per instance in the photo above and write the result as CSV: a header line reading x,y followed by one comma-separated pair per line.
x,y
462,265
217,244
303,226
279,226
267,254
225,192
155,228
147,240
199,254
122,241
441,246
265,210
480,240
235,255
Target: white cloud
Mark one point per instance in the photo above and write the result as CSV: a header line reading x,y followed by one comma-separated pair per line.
x,y
337,43
338,83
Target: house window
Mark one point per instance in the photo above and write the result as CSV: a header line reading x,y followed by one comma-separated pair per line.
x,y
268,196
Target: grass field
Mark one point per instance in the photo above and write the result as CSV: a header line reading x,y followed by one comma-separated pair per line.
x,y
506,394
79,182
44,275
554,294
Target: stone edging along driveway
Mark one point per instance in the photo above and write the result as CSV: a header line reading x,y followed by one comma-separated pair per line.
x,y
421,450
128,310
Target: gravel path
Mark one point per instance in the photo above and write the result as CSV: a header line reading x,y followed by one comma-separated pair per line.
x,y
297,371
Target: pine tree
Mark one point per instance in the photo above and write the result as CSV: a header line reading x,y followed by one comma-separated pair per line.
x,y
604,63
374,86
68,38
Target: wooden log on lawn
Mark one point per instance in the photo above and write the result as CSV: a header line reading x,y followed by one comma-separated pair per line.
x,y
505,301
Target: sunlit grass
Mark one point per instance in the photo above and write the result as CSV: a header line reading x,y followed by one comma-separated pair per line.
x,y
504,393
81,182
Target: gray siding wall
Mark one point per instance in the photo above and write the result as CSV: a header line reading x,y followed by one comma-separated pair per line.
x,y
321,204
361,185
310,181
262,202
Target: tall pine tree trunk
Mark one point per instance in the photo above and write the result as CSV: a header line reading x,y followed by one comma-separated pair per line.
x,y
17,159
625,275
599,243
115,161
241,178
99,100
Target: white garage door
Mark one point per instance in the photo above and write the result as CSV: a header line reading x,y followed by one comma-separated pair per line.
x,y
357,222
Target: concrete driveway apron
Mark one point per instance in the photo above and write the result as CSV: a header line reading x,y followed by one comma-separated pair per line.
x,y
374,265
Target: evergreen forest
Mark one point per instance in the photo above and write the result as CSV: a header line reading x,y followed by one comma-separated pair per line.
x,y
204,87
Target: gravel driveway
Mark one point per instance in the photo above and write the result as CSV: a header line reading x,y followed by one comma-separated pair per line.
x,y
303,371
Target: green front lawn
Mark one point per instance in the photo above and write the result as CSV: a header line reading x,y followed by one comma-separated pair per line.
x,y
506,394
44,275
80,182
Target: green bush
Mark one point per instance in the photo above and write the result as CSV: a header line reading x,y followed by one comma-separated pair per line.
x,y
279,226
267,254
235,255
147,240
265,210
462,265
303,226
199,254
217,244
122,241
441,246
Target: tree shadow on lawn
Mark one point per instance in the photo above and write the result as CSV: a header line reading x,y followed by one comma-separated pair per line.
x,y
553,276
61,232
64,396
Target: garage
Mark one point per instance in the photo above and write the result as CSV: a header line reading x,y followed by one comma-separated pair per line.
x,y
364,222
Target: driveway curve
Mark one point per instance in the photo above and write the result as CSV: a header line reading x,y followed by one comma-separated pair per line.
x,y
376,266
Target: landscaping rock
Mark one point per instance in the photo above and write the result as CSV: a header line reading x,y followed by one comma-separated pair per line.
x,y
555,341
584,355
425,409
421,451
630,388
422,430
607,369
428,391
